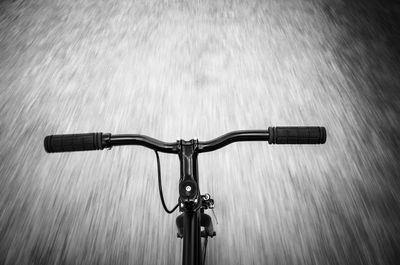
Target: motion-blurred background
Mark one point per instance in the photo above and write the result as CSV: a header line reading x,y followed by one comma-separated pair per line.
x,y
200,68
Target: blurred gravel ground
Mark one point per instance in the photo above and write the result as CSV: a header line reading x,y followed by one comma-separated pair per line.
x,y
184,69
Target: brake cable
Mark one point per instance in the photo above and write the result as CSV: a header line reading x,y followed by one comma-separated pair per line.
x,y
160,186
205,250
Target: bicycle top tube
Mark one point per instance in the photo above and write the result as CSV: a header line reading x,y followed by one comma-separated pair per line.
x,y
171,147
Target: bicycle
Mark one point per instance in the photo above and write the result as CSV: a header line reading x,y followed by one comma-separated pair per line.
x,y
190,202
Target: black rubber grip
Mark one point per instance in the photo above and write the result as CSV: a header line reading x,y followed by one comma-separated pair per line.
x,y
297,135
75,142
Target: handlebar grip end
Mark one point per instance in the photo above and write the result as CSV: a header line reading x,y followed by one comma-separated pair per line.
x,y
297,135
47,145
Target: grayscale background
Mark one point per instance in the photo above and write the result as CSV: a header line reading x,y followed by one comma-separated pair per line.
x,y
185,69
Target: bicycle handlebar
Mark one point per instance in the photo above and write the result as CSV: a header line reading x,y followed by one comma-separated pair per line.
x,y
99,141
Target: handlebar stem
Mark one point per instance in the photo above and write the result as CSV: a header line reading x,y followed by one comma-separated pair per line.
x,y
188,184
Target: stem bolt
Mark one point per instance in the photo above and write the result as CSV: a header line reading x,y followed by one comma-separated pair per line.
x,y
188,188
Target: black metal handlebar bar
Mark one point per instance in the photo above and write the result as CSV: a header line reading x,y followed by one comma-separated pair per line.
x,y
143,140
235,136
99,141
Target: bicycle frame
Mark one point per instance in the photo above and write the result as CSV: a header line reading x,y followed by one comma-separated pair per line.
x,y
191,202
